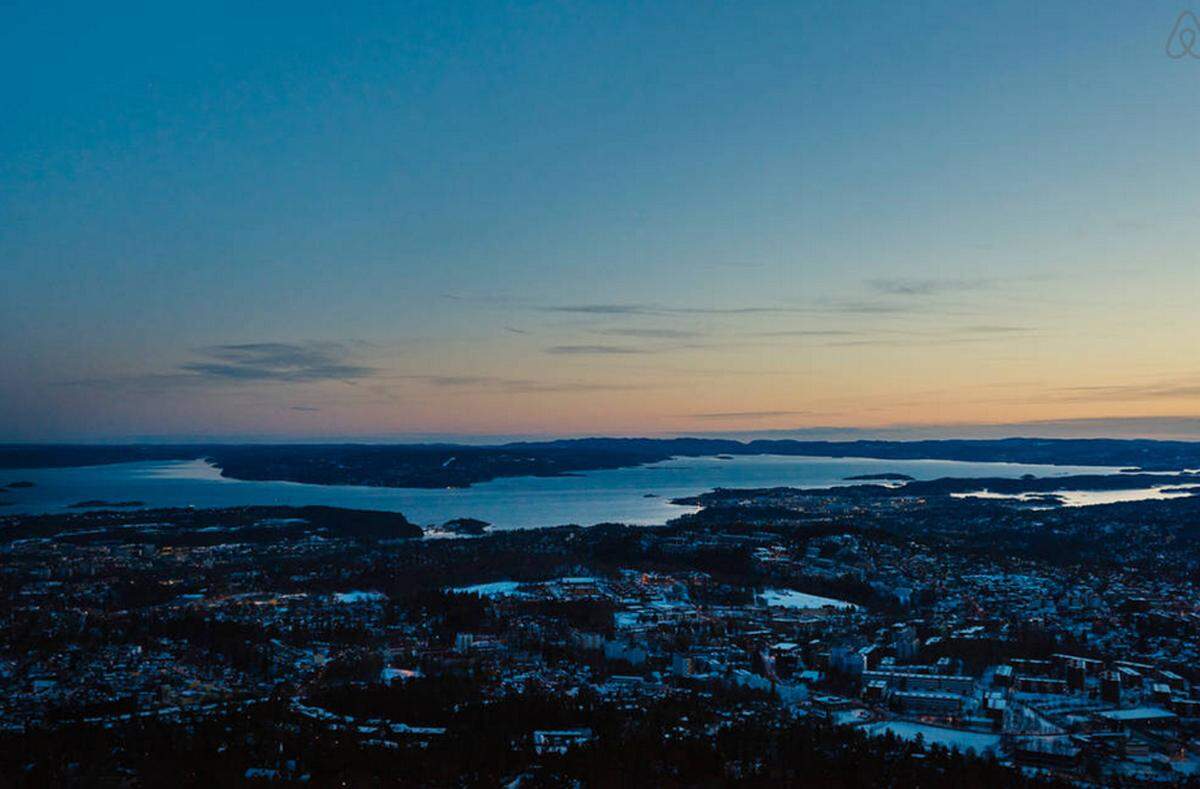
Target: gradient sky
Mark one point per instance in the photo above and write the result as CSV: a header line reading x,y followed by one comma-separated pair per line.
x,y
319,220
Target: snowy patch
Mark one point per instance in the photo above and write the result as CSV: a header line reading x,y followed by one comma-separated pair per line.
x,y
494,589
789,598
359,597
950,738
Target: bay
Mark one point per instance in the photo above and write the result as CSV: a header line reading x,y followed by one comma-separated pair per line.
x,y
609,495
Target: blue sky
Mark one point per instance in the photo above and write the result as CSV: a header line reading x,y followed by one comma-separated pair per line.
x,y
521,218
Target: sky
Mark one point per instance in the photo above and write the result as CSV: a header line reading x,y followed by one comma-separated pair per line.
x,y
372,220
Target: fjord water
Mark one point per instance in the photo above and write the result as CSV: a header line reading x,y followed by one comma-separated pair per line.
x,y
612,495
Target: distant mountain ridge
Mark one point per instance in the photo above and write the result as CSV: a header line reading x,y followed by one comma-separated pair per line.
x,y
1146,454
451,465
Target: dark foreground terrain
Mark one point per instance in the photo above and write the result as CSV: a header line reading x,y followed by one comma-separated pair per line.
x,y
775,638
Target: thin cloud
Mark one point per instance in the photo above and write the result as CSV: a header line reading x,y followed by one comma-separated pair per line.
x,y
659,310
908,342
865,307
566,387
594,350
148,383
808,333
951,335
925,286
602,309
451,381
855,307
651,334
244,363
518,385
1166,390
274,361
748,414
993,329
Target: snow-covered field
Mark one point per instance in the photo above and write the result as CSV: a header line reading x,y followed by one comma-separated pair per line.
x,y
788,598
950,738
494,589
358,597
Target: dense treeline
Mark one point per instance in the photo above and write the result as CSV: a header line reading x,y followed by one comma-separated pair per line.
x,y
675,743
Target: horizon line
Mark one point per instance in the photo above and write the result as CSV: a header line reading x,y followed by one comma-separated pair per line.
x,y
1158,428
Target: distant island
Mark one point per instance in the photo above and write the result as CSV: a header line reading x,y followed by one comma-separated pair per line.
x,y
200,527
470,527
94,503
886,476
1038,490
22,484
